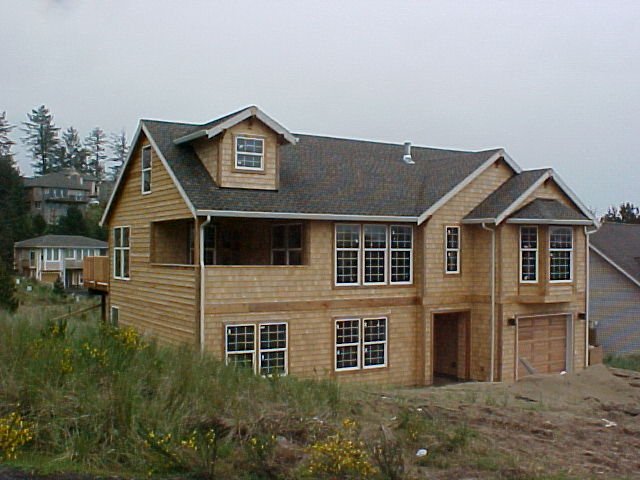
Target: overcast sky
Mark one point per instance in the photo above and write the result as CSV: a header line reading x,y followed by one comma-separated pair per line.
x,y
554,83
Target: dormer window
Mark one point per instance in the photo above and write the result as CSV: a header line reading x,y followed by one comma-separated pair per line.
x,y
146,169
249,153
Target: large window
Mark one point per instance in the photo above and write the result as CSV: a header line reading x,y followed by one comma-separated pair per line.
x,y
286,244
269,348
121,252
53,254
560,253
365,254
146,169
361,343
249,153
452,249
528,254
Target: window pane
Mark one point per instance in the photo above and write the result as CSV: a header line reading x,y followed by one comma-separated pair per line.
x,y
452,261
561,238
295,257
375,236
400,266
529,237
125,236
273,336
374,354
294,238
529,265
560,265
117,263
250,145
146,181
117,237
348,236
125,267
347,266
241,360
375,330
347,357
249,161
374,263
400,236
347,331
240,338
146,158
278,237
272,363
452,237
279,257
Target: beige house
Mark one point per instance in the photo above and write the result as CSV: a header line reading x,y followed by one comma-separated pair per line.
x,y
355,260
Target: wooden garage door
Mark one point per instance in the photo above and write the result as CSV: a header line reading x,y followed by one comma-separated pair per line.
x,y
542,343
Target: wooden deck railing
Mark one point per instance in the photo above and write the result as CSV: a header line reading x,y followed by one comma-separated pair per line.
x,y
95,272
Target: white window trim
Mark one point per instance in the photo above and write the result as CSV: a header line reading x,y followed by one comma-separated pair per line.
x,y
287,249
261,155
391,250
365,343
54,253
121,248
447,250
73,254
285,349
336,345
551,229
145,170
117,309
350,249
227,353
386,250
530,250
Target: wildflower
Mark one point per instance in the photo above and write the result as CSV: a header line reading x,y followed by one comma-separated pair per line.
x,y
14,433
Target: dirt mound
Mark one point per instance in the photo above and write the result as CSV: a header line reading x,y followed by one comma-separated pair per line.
x,y
596,384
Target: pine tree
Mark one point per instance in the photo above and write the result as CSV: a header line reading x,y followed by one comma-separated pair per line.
x,y
73,223
8,300
95,144
41,139
625,213
75,153
119,150
13,219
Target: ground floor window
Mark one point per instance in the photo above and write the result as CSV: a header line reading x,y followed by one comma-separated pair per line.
x,y
361,343
265,353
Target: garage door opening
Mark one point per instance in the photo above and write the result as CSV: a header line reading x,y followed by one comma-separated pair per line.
x,y
451,346
542,344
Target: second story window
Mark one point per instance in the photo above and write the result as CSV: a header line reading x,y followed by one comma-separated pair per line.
x,y
373,254
121,247
560,254
286,244
528,254
452,249
146,169
249,153
53,255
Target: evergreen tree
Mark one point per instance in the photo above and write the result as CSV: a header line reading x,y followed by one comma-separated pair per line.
x,y
13,219
119,150
75,153
41,139
96,145
625,213
92,218
73,223
8,300
38,225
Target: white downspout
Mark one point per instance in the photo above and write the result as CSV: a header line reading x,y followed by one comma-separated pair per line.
x,y
587,233
202,280
493,300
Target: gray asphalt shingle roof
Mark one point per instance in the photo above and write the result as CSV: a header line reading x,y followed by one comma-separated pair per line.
x,y
549,209
496,203
56,180
621,243
63,241
326,175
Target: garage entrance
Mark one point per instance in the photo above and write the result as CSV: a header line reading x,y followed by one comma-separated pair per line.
x,y
451,345
542,344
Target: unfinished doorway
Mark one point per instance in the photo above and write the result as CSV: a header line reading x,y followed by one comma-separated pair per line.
x,y
542,344
451,345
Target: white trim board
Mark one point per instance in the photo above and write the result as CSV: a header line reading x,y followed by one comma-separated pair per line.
x,y
615,265
307,216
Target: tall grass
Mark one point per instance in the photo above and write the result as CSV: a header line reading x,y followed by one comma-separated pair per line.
x,y
628,362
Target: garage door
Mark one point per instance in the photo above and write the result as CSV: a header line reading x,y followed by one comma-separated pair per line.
x,y
542,344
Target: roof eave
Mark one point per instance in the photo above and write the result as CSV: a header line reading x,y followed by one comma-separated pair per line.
x,y
548,221
615,265
308,216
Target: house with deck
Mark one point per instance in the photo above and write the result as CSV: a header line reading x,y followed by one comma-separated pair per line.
x,y
338,258
614,288
50,257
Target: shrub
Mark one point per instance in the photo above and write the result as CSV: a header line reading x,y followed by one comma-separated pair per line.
x,y
14,433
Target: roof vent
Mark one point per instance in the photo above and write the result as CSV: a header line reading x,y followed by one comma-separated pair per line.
x,y
407,154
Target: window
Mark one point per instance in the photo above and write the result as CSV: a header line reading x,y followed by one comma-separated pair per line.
x,y
286,244
452,250
53,254
120,252
273,349
383,248
272,345
146,169
38,204
32,258
249,153
69,254
528,254
560,250
79,255
361,343
115,313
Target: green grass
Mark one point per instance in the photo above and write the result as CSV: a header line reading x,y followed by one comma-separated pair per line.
x,y
628,362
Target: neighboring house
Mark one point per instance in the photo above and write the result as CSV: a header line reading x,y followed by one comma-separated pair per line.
x,y
52,194
614,288
51,256
355,260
